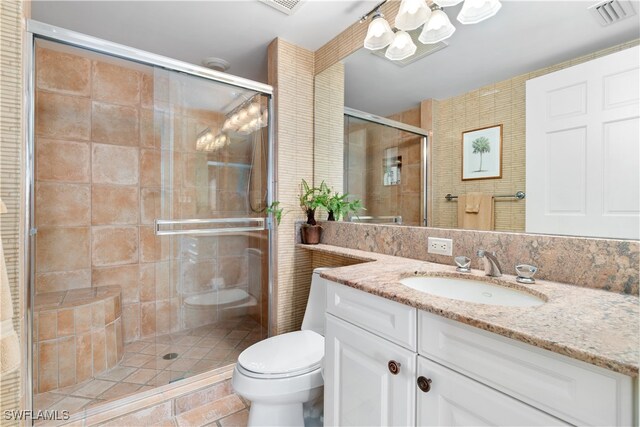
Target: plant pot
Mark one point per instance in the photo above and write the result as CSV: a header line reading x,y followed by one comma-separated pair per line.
x,y
311,234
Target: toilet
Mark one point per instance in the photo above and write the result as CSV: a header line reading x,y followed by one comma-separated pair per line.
x,y
282,373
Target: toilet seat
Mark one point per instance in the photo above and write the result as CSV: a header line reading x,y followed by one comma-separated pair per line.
x,y
282,356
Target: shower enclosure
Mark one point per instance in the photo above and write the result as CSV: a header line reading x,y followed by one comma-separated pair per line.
x,y
385,166
149,255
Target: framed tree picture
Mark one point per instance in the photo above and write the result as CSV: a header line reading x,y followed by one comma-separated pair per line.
x,y
482,153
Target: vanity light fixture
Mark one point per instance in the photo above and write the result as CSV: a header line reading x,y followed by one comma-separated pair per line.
x,y
379,34
401,47
414,13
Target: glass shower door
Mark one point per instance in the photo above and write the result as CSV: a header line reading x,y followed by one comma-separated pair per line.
x,y
211,237
384,169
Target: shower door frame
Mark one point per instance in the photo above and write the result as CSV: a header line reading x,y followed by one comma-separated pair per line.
x,y
39,30
424,151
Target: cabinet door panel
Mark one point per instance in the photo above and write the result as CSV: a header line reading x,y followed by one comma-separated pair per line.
x,y
360,390
455,400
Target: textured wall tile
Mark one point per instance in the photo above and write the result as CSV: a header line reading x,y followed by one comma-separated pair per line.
x,y
131,322
67,361
150,208
47,325
84,357
62,249
83,319
48,366
125,276
62,280
147,319
62,204
115,124
64,161
63,117
115,84
114,165
114,245
99,351
150,168
64,73
66,323
114,205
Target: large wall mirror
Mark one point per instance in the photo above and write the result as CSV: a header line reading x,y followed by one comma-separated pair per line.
x,y
469,94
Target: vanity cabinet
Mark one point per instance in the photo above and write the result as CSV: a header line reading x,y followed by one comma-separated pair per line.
x,y
369,381
390,364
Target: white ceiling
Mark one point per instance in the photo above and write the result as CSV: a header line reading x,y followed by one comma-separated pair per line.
x,y
238,31
524,36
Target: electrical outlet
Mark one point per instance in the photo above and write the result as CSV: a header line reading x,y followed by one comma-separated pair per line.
x,y
440,246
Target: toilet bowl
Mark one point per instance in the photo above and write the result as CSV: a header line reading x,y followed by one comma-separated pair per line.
x,y
282,373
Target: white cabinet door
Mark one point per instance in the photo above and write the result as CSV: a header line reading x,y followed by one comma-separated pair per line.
x,y
583,149
360,389
456,400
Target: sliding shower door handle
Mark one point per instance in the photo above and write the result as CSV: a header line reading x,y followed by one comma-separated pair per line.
x,y
259,225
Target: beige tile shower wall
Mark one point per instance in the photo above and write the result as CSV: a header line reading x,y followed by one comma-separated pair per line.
x,y
11,17
291,73
329,127
499,103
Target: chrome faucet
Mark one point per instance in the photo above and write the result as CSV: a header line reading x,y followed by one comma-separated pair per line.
x,y
491,264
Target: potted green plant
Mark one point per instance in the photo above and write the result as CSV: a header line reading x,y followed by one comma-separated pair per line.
x,y
338,206
311,198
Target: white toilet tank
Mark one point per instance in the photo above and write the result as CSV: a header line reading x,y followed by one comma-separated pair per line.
x,y
317,304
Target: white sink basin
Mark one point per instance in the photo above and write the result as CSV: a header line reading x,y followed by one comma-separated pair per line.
x,y
470,290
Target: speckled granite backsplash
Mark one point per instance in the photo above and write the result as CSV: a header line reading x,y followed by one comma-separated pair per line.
x,y
608,264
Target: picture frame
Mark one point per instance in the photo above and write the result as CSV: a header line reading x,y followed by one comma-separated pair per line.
x,y
482,153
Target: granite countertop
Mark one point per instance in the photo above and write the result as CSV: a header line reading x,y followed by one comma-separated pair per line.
x,y
594,326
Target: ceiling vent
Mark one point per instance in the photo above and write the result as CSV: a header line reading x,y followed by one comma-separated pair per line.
x,y
284,6
421,51
611,11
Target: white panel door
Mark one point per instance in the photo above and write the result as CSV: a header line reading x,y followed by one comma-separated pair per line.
x,y
456,400
583,149
359,388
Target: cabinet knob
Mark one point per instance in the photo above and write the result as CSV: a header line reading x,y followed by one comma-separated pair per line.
x,y
394,367
424,384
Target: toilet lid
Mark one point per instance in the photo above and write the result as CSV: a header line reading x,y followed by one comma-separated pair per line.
x,y
288,354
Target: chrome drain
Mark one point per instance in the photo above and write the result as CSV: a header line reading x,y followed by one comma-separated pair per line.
x,y
170,356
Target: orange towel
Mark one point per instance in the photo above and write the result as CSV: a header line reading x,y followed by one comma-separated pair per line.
x,y
475,211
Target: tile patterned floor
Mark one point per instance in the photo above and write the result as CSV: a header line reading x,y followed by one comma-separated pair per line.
x,y
143,367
